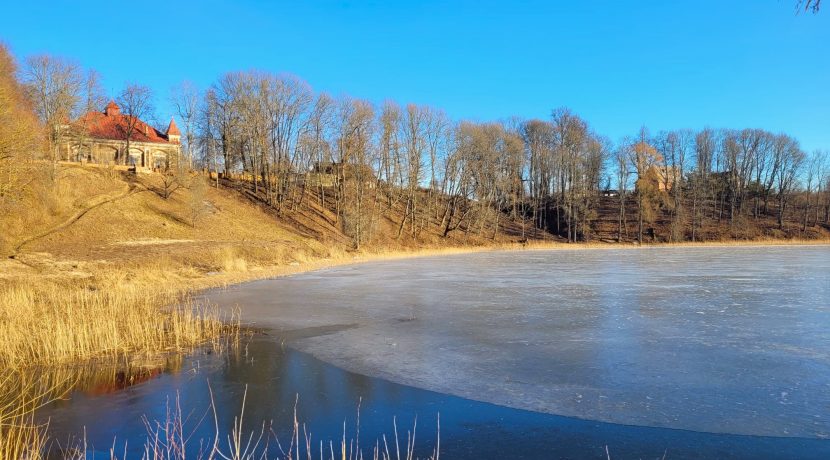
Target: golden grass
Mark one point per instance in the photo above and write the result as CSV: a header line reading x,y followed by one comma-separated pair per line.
x,y
55,322
52,323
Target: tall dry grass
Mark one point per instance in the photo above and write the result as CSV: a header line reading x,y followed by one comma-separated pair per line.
x,y
56,322
21,437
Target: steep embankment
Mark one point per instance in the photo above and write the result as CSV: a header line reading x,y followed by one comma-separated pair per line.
x,y
102,217
96,219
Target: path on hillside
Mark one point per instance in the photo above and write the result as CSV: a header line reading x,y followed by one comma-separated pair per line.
x,y
93,203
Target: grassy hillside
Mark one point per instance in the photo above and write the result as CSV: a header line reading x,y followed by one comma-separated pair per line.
x,y
97,219
139,225
93,219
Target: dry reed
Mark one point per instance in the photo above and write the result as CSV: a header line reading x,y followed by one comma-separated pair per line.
x,y
62,322
20,436
172,438
52,323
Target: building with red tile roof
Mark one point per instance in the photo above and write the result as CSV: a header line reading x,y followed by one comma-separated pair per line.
x,y
101,137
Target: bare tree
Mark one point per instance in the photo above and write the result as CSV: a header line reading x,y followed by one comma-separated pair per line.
x,y
172,179
55,86
354,173
790,158
459,179
313,147
94,96
288,102
622,155
824,179
93,99
185,98
413,134
537,137
437,124
136,102
674,148
644,157
812,183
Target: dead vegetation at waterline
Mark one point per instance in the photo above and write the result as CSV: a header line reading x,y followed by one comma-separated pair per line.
x,y
59,322
174,437
55,324
20,435
181,432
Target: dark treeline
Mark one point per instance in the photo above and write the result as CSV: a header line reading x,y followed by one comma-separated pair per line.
x,y
296,149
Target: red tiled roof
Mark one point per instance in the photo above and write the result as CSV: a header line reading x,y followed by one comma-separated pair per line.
x,y
113,125
172,129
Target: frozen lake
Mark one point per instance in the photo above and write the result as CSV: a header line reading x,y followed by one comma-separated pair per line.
x,y
720,340
691,352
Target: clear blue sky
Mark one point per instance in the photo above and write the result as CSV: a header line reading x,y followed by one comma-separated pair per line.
x,y
666,64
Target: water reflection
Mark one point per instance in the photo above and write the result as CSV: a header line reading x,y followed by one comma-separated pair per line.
x,y
114,414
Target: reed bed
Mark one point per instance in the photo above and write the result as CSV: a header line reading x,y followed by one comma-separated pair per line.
x,y
57,322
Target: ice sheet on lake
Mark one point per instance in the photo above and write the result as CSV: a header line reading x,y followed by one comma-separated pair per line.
x,y
739,344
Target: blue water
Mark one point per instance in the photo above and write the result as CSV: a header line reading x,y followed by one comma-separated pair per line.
x,y
276,377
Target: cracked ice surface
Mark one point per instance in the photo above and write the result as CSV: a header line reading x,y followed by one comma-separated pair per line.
x,y
727,340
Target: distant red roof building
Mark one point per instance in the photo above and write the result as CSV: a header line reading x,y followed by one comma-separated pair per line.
x,y
113,125
101,137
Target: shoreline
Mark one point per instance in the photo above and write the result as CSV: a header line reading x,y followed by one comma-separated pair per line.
x,y
373,341
227,279
170,278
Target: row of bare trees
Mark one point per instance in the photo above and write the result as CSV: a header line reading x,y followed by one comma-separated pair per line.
x,y
721,176
734,175
298,149
549,175
290,141
565,165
